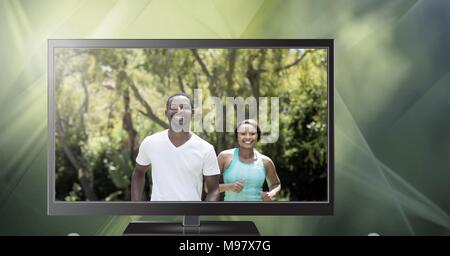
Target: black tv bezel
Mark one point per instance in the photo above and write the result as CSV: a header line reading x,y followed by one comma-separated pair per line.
x,y
189,208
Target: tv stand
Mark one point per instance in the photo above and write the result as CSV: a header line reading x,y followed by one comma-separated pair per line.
x,y
191,226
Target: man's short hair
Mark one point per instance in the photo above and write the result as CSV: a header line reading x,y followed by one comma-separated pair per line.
x,y
179,94
250,122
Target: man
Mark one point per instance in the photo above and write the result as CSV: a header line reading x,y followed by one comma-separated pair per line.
x,y
180,159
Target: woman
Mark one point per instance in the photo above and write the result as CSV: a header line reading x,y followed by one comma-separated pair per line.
x,y
244,169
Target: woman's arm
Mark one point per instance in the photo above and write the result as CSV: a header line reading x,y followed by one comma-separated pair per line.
x,y
222,160
236,186
273,181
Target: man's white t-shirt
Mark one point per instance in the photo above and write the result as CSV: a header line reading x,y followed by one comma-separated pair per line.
x,y
177,172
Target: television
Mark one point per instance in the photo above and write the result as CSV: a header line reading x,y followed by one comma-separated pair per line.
x,y
256,116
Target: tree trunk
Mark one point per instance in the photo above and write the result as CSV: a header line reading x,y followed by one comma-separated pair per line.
x,y
84,174
146,105
127,123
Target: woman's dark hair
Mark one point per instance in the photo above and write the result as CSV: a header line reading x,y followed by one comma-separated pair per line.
x,y
250,122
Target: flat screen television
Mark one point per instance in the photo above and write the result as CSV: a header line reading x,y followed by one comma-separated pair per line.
x,y
190,128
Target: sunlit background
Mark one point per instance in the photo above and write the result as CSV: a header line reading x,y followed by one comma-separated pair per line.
x,y
392,104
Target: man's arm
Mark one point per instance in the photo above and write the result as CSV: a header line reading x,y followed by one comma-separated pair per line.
x,y
212,187
138,182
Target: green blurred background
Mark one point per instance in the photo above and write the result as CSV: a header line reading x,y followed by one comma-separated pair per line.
x,y
392,105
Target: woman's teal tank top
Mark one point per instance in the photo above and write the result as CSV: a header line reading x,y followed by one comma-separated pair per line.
x,y
252,174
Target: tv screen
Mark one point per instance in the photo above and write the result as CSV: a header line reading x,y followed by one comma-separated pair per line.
x,y
191,126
